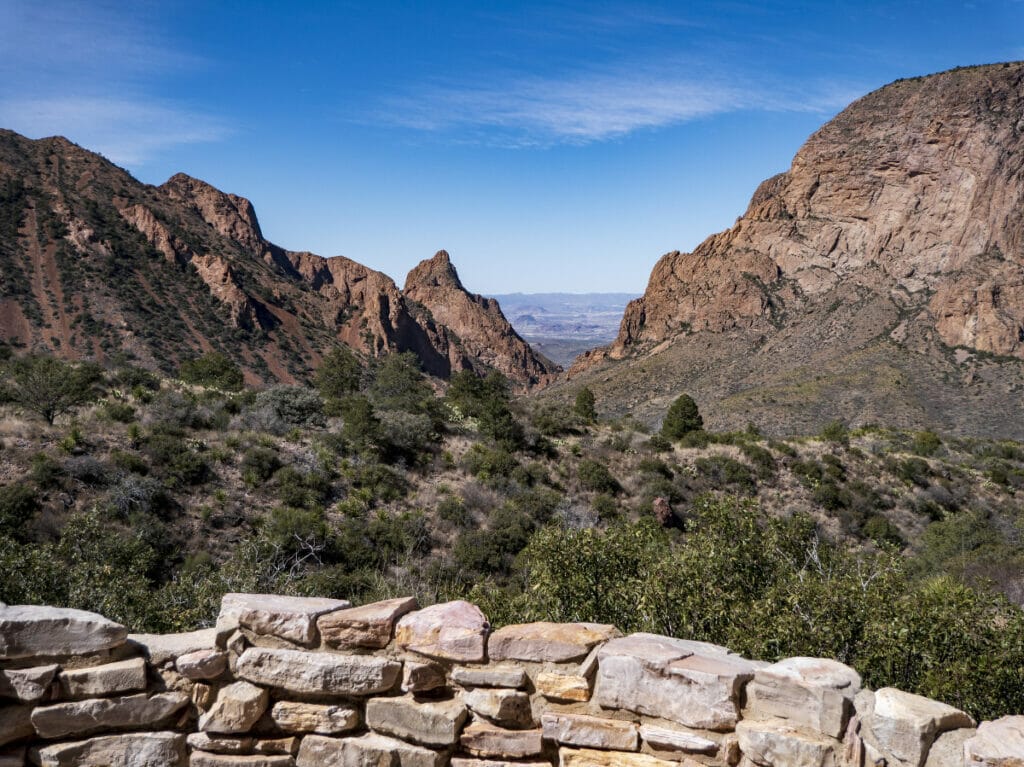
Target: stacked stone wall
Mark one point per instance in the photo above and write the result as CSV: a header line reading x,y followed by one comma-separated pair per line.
x,y
301,682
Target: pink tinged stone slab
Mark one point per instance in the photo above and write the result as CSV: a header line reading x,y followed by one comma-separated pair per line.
x,y
15,724
567,688
590,731
215,743
997,744
237,707
108,679
484,739
429,723
585,757
302,672
27,685
808,692
665,739
553,642
692,683
149,749
449,631
776,742
202,664
369,626
460,761
200,759
28,631
83,717
370,750
422,677
490,676
508,707
322,719
160,648
290,618
902,726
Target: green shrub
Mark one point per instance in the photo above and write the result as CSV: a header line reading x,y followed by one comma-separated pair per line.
x,y
926,443
293,405
121,412
724,471
682,418
594,476
837,432
761,458
47,386
338,374
259,465
214,370
583,406
18,504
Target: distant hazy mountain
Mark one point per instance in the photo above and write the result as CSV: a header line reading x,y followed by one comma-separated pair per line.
x,y
563,325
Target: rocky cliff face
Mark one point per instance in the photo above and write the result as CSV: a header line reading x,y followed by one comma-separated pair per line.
x,y
96,264
479,323
899,223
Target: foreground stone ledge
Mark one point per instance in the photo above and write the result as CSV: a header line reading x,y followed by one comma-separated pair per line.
x,y
84,717
368,750
997,744
311,673
109,679
370,626
429,723
292,619
552,642
161,648
590,731
808,692
29,631
150,749
450,631
483,739
900,727
569,757
312,717
27,685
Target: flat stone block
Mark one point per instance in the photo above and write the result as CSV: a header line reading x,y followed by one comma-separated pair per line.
x,y
108,679
450,631
429,723
490,676
590,731
202,759
583,757
28,631
510,708
82,717
292,619
202,665
997,744
313,717
483,739
370,750
27,685
563,687
149,749
770,743
542,641
665,739
369,626
161,648
236,709
303,672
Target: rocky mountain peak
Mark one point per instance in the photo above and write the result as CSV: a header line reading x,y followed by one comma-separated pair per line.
x,y
232,216
435,272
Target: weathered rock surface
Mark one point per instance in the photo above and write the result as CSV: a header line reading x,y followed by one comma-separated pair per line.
x,y
510,708
83,717
478,322
237,707
108,679
902,726
370,625
290,618
430,723
150,749
313,717
370,750
483,739
216,743
28,685
677,740
452,631
776,743
202,664
200,759
15,724
160,648
808,692
997,744
692,683
459,761
948,748
590,731
489,676
542,641
311,673
569,757
422,676
28,631
563,687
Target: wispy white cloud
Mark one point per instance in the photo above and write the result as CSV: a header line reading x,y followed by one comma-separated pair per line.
x,y
127,132
595,106
89,71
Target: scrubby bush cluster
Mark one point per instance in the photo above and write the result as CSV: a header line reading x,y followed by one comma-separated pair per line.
x,y
146,499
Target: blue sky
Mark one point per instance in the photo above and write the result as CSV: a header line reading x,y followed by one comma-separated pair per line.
x,y
555,146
